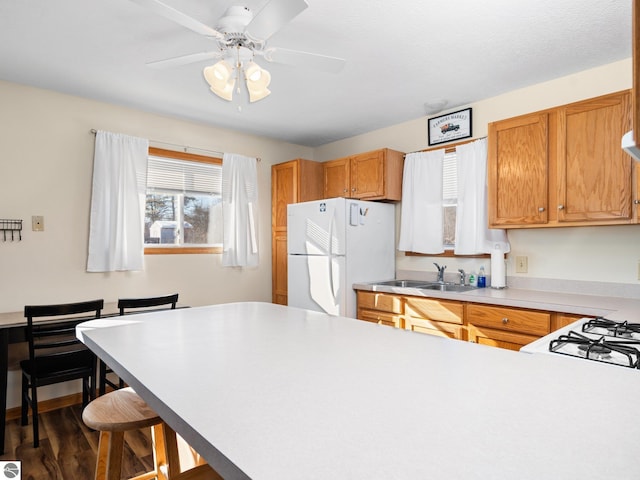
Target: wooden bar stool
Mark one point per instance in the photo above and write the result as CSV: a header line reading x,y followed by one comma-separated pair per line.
x,y
122,410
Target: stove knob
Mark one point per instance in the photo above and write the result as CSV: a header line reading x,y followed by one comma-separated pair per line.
x,y
505,320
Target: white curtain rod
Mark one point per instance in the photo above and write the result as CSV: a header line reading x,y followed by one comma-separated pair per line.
x,y
184,148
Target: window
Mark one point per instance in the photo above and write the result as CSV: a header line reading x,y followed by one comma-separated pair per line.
x,y
183,210
449,198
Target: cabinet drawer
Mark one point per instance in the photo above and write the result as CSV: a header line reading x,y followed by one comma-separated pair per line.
x,y
441,329
510,319
380,318
380,301
431,309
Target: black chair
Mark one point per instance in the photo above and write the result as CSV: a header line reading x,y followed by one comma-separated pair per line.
x,y
125,304
56,355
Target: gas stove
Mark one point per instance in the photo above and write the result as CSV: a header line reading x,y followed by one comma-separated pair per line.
x,y
596,339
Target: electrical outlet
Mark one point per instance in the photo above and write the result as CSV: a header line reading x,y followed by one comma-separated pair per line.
x,y
522,264
37,223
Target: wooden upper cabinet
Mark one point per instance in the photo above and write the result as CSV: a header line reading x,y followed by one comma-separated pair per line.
x,y
563,166
337,178
594,173
517,170
291,182
375,175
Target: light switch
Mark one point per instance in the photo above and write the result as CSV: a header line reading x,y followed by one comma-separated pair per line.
x,y
522,264
37,223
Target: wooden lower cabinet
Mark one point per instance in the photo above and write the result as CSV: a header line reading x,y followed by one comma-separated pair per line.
x,y
499,338
431,327
380,308
505,327
496,326
436,317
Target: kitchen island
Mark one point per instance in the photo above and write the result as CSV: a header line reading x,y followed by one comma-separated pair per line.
x,y
264,391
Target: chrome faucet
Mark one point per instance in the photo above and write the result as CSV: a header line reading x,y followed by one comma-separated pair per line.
x,y
441,270
463,276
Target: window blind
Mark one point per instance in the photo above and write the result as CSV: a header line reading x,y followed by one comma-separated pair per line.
x,y
182,176
450,177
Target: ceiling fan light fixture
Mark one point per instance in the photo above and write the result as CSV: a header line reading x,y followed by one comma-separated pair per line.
x,y
257,80
220,78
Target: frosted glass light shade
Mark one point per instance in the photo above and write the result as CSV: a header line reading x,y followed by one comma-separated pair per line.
x,y
257,80
220,78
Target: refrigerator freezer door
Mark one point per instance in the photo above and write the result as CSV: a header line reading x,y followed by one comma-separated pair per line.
x,y
317,227
319,283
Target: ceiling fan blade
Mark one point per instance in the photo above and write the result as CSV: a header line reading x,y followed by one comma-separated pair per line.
x,y
304,59
273,16
178,17
184,60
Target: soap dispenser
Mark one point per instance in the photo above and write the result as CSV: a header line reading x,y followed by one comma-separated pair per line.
x,y
482,279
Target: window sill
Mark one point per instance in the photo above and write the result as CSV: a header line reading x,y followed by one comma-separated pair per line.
x,y
181,250
447,253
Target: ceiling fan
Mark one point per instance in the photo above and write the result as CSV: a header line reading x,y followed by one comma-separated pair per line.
x,y
240,37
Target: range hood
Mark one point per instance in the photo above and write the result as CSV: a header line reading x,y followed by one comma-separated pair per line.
x,y
629,146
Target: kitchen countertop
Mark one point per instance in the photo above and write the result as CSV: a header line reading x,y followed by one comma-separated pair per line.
x,y
614,308
270,392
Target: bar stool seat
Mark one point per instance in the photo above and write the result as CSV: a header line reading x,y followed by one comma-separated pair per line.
x,y
122,410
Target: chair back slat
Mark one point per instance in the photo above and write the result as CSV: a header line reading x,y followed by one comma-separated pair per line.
x,y
47,338
31,311
147,302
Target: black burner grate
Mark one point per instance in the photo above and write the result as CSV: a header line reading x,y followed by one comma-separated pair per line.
x,y
598,349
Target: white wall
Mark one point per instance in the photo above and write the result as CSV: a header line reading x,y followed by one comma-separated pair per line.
x,y
606,254
46,159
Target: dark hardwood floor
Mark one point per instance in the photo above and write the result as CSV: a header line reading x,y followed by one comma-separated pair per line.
x,y
68,448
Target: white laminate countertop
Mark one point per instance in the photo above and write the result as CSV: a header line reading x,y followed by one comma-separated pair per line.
x,y
270,392
614,308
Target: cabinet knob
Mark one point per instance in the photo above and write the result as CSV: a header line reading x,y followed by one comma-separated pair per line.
x,y
560,207
636,202
541,209
353,189
345,190
505,320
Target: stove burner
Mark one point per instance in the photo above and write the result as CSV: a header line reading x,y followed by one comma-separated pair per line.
x,y
595,351
601,349
613,329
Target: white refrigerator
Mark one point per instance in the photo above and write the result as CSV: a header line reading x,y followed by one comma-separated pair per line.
x,y
331,245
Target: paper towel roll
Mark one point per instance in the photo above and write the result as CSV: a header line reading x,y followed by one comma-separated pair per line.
x,y
498,269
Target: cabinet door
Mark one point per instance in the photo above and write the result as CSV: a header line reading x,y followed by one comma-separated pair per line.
x,y
499,338
518,170
367,175
381,318
284,190
336,178
594,173
279,269
440,329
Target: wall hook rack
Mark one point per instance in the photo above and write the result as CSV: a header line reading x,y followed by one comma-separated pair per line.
x,y
11,228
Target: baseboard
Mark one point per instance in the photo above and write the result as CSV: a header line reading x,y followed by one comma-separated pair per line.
x,y
49,405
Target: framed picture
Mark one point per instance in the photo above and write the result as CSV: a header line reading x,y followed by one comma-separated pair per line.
x,y
449,127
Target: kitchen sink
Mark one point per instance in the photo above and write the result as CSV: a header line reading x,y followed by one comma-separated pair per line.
x,y
421,284
448,287
404,283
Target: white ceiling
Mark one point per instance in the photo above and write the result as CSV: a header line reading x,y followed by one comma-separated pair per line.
x,y
399,55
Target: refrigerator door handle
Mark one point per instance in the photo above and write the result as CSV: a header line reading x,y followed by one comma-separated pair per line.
x,y
332,230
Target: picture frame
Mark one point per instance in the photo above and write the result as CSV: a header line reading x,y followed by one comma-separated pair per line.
x,y
452,126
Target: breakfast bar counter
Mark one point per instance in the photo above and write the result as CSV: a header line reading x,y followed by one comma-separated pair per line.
x,y
269,392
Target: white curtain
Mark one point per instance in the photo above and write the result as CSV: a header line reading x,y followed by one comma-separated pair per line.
x,y
116,232
421,220
473,236
239,211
